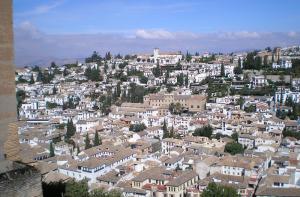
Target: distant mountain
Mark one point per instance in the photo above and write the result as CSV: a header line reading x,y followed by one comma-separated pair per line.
x,y
47,61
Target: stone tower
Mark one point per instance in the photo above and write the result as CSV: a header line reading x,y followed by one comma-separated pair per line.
x,y
16,179
8,112
156,53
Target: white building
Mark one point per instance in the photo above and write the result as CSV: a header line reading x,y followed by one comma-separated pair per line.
x,y
161,57
285,93
96,166
282,64
258,81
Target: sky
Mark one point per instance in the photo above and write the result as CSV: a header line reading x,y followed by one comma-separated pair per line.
x,y
58,29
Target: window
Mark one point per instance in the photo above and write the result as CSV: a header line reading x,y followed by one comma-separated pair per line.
x,y
276,184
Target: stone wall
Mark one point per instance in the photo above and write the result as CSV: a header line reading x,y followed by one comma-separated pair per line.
x,y
19,180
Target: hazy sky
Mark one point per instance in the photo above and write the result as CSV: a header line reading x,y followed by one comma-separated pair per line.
x,y
74,28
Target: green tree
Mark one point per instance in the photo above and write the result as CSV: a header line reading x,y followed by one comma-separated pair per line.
x,y
169,88
54,90
105,103
31,80
156,71
136,93
77,189
137,127
98,193
213,57
216,190
257,62
186,81
205,131
240,102
124,96
36,69
296,67
143,79
20,96
93,74
188,57
235,136
39,75
108,56
50,105
65,72
102,193
234,148
289,102
71,103
70,129
105,68
165,130
178,66
265,61
95,57
52,154
290,133
53,65
97,140
238,70
175,108
172,134
249,62
250,109
87,142
281,114
123,65
222,70
180,79
167,75
118,90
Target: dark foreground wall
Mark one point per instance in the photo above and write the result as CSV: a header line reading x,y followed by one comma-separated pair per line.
x,y
19,180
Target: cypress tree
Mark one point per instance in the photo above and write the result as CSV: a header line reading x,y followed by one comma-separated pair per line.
x,y
52,154
165,130
118,91
87,142
97,140
70,129
172,132
54,90
222,70
31,80
186,80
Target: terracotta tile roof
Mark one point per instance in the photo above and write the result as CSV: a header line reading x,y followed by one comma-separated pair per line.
x,y
183,178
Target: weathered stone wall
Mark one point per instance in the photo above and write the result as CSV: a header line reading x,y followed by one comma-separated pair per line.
x,y
8,111
20,181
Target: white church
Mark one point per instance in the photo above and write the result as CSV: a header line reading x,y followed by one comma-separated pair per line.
x,y
161,57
